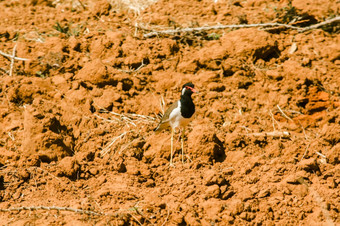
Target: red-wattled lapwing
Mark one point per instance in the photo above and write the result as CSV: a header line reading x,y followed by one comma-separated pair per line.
x,y
179,114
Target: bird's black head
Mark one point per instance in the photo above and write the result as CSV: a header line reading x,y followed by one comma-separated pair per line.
x,y
188,89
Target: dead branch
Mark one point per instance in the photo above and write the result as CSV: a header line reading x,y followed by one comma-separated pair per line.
x,y
278,107
234,26
305,152
271,134
107,149
12,60
30,208
315,26
131,70
10,56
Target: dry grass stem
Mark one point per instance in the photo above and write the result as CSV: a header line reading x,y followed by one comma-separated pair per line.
x,y
11,136
284,115
236,26
105,119
126,146
294,112
12,60
315,26
274,121
303,130
135,219
31,208
131,70
148,118
162,103
305,151
246,128
45,171
127,118
107,149
11,56
166,219
131,5
320,154
283,134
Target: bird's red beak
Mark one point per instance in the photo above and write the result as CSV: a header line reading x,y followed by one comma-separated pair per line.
x,y
192,89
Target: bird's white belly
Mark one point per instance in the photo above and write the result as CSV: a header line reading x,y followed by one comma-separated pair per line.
x,y
176,119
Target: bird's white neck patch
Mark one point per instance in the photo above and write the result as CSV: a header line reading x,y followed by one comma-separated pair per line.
x,y
183,90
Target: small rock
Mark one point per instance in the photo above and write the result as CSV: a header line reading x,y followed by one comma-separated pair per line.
x,y
297,177
177,219
132,169
216,87
101,180
150,183
309,165
228,194
223,189
57,80
213,177
244,215
191,219
275,75
334,155
228,219
228,171
212,191
246,194
24,175
119,165
68,167
94,171
264,193
236,207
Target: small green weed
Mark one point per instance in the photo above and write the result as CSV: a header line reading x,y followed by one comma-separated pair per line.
x,y
286,14
68,29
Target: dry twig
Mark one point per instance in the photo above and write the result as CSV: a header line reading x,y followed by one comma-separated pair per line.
x,y
284,134
305,152
10,56
278,107
30,208
235,26
108,147
131,70
12,60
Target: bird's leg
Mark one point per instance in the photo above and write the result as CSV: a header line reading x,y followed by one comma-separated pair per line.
x,y
182,143
172,146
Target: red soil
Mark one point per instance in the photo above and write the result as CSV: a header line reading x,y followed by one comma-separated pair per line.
x,y
93,81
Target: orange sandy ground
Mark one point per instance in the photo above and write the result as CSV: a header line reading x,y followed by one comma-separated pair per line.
x,y
77,118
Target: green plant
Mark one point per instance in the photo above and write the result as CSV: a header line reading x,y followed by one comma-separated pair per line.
x,y
68,29
213,36
286,14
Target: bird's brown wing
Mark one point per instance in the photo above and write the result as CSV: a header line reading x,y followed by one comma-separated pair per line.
x,y
164,123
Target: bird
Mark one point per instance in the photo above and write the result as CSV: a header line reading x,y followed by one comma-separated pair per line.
x,y
178,115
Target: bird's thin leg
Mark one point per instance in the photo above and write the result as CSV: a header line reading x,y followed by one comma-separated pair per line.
x,y
172,146
182,143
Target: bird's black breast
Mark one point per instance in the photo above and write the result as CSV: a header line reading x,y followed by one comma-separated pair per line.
x,y
187,106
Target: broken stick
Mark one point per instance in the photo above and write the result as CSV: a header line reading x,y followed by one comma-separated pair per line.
x,y
271,134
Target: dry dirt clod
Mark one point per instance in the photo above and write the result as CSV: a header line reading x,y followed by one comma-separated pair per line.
x,y
68,167
309,165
